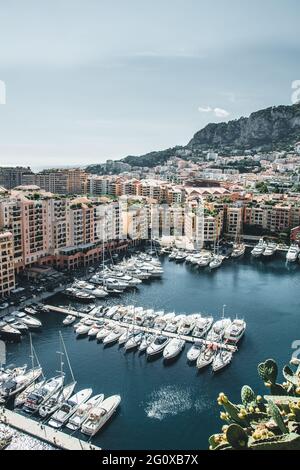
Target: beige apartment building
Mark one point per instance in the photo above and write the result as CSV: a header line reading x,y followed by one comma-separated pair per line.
x,y
7,269
70,181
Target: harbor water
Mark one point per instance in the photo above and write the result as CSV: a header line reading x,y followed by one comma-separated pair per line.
x,y
173,406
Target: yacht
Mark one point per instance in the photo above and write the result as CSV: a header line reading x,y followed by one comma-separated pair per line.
x,y
128,333
259,249
194,259
194,352
13,386
99,415
202,327
84,327
57,400
22,397
216,262
204,260
69,320
206,356
31,322
8,333
96,327
238,250
235,331
180,257
105,331
133,342
187,325
111,311
157,346
292,253
83,411
270,249
18,325
69,407
146,341
42,393
114,335
173,348
10,372
173,325
218,330
221,360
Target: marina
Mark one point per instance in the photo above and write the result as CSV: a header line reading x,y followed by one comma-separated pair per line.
x,y
170,399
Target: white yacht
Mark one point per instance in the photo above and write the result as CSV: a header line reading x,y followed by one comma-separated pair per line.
x,y
238,250
100,415
205,259
84,327
202,327
292,253
57,400
221,360
216,262
270,249
27,319
157,346
146,341
114,335
259,249
133,342
12,387
69,320
83,411
218,330
96,327
69,407
186,326
105,331
206,356
235,331
41,394
173,348
22,397
194,352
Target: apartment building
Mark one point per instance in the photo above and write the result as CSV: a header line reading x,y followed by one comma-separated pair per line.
x,y
7,270
234,220
65,181
10,177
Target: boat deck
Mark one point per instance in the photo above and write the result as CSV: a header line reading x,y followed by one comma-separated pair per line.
x,y
188,339
43,432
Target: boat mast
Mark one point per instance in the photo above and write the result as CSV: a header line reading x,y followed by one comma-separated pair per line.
x,y
67,357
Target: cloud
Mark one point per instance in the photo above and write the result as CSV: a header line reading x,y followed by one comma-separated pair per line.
x,y
206,109
218,112
221,113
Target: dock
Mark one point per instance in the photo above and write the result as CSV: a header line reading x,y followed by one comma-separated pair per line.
x,y
188,339
43,432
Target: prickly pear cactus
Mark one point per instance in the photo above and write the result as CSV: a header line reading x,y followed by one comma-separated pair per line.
x,y
248,396
268,371
276,415
237,437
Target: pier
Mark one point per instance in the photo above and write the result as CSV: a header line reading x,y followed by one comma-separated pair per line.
x,y
43,432
188,339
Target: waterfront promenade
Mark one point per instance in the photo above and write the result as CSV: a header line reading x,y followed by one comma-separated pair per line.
x,y
46,433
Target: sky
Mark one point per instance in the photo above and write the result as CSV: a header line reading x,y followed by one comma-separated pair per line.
x,y
88,80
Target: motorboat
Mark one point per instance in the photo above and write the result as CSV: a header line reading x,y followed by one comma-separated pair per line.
x,y
204,260
112,311
173,348
258,249
30,310
57,400
221,360
187,325
32,323
96,327
292,253
218,330
238,250
42,393
202,327
13,386
173,325
216,262
113,336
133,342
69,407
146,341
194,352
22,397
206,356
84,328
10,372
18,325
157,346
128,333
99,415
69,320
270,249
180,257
83,411
8,333
235,331
105,331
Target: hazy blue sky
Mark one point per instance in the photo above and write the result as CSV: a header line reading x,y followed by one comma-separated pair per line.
x,y
88,80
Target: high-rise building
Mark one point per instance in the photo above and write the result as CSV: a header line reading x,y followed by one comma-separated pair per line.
x,y
10,177
7,270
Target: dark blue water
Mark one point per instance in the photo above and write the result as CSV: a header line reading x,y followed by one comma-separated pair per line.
x,y
174,407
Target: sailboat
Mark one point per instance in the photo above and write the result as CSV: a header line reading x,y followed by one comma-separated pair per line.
x,y
217,258
239,248
63,393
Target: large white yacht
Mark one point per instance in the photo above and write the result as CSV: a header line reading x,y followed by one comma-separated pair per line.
x,y
258,249
292,253
235,331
